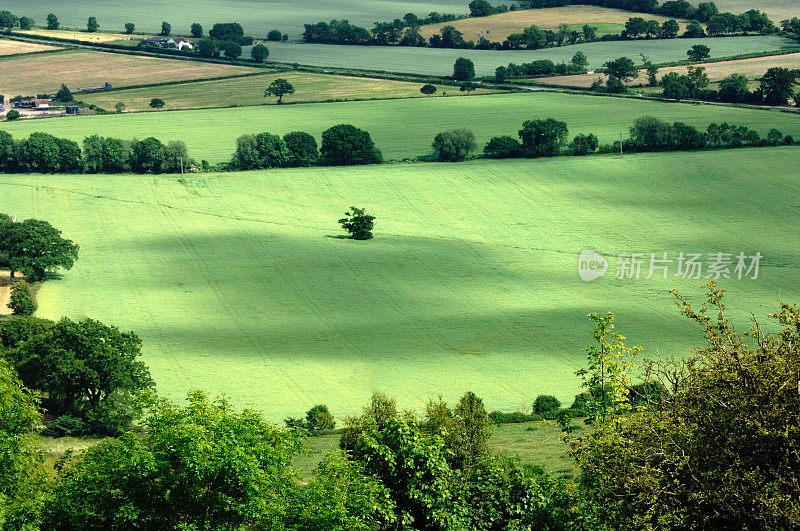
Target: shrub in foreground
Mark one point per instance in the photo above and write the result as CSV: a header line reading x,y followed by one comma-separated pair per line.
x,y
358,223
346,145
454,145
21,302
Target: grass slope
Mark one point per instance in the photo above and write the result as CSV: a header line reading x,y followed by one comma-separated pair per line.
x,y
44,73
777,10
250,91
401,128
239,283
499,27
437,61
10,47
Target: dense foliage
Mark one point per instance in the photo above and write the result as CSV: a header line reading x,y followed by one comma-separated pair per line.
x,y
34,247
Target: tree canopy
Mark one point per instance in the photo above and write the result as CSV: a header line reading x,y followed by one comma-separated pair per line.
x,y
35,248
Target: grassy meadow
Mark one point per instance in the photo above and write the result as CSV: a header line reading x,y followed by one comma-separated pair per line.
x,y
499,27
439,61
44,73
403,129
241,283
246,91
257,18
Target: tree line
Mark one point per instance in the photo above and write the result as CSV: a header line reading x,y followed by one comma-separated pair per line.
x,y
45,153
706,443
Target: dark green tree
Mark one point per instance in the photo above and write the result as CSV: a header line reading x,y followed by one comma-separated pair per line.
x,y
580,60
207,48
777,85
619,71
279,88
546,404
454,145
13,114
734,88
543,138
147,155
196,30
130,27
584,144
259,53
92,25
8,21
463,69
26,23
274,35
698,52
501,147
319,418
21,299
428,89
346,145
40,152
52,22
670,29
302,149
232,50
166,29
63,95
157,103
358,223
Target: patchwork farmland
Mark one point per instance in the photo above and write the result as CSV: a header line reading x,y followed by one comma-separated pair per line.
x,y
329,266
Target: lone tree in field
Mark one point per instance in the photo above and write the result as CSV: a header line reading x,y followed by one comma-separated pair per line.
x,y
35,247
428,89
157,103
92,25
26,23
166,29
358,223
698,52
197,30
463,69
130,27
279,88
52,22
259,53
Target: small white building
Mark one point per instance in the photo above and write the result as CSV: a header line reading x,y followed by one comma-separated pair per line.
x,y
180,43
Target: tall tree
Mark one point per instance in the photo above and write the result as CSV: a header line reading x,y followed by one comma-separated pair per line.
x,y
35,248
279,88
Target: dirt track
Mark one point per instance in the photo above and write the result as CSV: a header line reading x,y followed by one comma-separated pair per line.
x,y
5,291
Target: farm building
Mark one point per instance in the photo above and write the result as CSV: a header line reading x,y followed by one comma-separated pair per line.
x,y
180,43
153,41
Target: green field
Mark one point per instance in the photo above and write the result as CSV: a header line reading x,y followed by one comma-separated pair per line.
x,y
402,128
239,282
256,16
439,62
250,91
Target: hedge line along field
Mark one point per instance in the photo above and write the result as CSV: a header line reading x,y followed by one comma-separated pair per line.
x,y
44,73
257,18
439,61
240,283
754,68
402,129
249,90
499,27
777,10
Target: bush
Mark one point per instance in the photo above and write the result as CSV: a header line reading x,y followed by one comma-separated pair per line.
x,y
21,299
545,404
260,151
12,115
63,95
501,147
274,35
129,27
67,426
543,138
319,418
302,149
157,103
454,145
346,145
146,155
358,223
428,89
583,144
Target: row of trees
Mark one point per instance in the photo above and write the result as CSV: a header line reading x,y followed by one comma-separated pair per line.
x,y
715,448
543,67
342,145
776,87
45,153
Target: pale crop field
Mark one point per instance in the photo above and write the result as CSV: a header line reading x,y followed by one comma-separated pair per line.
x,y
239,283
81,35
402,129
439,61
754,68
249,90
499,27
777,10
44,73
11,47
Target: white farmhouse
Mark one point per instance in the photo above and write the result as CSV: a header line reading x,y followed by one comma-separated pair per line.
x,y
180,43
